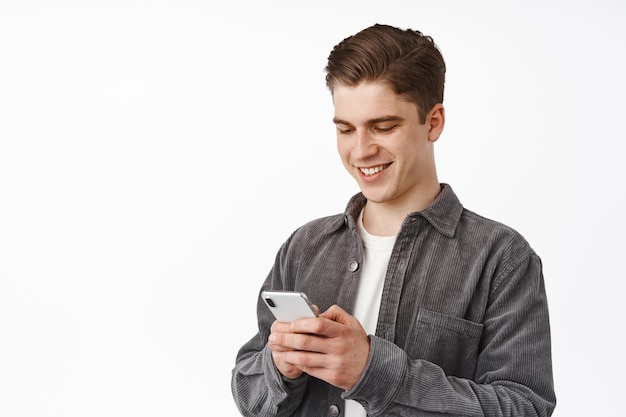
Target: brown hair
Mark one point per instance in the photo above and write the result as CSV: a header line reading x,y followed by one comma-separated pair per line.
x,y
408,61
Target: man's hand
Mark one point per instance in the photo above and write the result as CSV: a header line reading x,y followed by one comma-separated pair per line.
x,y
333,347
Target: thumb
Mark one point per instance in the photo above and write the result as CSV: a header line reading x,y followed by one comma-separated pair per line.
x,y
316,309
338,314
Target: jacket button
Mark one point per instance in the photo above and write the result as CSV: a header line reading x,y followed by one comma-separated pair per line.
x,y
334,410
354,265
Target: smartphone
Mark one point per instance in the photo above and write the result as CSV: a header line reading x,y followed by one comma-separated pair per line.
x,y
288,306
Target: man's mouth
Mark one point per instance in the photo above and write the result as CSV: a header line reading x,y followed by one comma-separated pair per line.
x,y
373,170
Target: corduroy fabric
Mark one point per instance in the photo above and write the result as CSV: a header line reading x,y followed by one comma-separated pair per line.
x,y
463,328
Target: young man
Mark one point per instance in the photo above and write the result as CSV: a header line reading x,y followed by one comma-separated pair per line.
x,y
428,309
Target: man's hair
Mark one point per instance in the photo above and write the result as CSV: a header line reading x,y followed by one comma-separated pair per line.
x,y
406,60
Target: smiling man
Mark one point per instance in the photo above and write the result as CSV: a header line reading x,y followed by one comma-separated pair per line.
x,y
388,151
428,309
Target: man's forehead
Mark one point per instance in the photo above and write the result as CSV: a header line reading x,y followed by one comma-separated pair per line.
x,y
370,102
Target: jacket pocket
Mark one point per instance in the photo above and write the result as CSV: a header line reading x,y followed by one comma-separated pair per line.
x,y
447,341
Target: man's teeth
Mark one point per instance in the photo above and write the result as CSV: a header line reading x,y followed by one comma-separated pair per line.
x,y
372,171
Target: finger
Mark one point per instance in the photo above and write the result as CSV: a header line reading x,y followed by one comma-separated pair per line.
x,y
337,314
309,362
284,366
321,327
276,346
280,327
299,342
276,342
316,309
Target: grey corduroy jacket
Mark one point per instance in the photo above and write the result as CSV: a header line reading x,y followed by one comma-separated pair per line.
x,y
463,327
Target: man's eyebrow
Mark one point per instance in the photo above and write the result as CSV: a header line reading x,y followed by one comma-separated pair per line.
x,y
338,121
382,119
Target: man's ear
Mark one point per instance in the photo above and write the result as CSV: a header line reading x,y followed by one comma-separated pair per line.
x,y
436,120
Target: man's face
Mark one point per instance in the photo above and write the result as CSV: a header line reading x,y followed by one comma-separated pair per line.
x,y
382,143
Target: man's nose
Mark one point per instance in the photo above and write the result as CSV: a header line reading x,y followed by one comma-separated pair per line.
x,y
365,145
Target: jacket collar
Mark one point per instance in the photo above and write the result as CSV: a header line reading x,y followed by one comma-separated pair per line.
x,y
444,214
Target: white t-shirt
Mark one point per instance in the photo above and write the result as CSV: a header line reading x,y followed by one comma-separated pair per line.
x,y
376,254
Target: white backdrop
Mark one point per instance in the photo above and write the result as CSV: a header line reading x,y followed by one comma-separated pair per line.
x,y
155,154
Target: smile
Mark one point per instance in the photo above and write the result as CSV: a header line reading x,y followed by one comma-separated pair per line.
x,y
373,170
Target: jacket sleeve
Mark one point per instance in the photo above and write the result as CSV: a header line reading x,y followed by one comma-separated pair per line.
x,y
513,375
258,389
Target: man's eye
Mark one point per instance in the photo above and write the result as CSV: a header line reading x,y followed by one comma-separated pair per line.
x,y
344,131
384,129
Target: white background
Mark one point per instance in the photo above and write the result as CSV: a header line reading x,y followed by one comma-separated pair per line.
x,y
155,154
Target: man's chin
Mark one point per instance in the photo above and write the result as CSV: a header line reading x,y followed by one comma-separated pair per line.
x,y
374,197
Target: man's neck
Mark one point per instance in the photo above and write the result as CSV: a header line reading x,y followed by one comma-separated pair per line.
x,y
385,219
